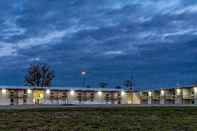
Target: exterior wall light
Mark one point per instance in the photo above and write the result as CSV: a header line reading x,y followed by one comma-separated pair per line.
x,y
48,91
122,93
162,92
72,92
195,90
3,91
99,93
29,91
178,91
149,93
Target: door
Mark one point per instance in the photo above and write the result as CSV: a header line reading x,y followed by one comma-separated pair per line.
x,y
38,96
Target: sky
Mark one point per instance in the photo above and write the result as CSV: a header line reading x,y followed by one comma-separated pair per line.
x,y
155,41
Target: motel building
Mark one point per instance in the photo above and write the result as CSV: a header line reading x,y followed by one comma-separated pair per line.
x,y
66,95
70,95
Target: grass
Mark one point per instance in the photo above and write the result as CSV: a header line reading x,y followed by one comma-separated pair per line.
x,y
100,119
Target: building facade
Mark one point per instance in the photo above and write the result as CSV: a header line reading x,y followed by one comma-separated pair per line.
x,y
28,95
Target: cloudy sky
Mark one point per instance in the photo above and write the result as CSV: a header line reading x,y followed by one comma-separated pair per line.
x,y
155,40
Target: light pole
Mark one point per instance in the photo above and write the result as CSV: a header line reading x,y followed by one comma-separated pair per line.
x,y
83,73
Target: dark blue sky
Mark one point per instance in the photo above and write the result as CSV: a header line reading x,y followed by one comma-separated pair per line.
x,y
154,39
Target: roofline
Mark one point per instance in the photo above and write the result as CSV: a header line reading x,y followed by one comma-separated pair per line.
x,y
63,88
168,88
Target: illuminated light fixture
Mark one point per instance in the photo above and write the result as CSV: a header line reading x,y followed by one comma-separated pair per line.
x,y
99,93
149,93
48,91
162,92
178,91
3,91
72,92
122,93
83,73
29,91
195,89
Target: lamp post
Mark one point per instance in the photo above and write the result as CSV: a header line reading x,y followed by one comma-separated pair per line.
x,y
83,73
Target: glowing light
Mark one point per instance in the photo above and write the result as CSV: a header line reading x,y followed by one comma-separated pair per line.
x,y
48,91
72,92
99,93
122,93
162,92
178,91
29,91
3,91
83,73
195,89
149,93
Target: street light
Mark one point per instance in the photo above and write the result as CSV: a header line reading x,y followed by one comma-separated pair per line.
x,y
83,73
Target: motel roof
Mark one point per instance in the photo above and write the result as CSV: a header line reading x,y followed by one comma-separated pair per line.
x,y
90,89
63,88
167,88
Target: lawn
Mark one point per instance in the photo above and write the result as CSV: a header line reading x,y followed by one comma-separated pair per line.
x,y
100,119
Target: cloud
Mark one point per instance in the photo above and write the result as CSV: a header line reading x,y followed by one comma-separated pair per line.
x,y
192,31
108,37
10,49
35,59
118,52
7,50
10,29
188,9
49,38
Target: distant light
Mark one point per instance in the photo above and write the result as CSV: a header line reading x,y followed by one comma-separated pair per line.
x,y
122,93
149,93
195,89
29,91
3,91
83,73
162,92
99,93
178,91
48,91
72,92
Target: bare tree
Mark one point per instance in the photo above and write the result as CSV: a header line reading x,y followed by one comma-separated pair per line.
x,y
128,84
39,75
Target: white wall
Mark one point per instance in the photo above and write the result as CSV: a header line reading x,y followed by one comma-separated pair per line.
x,y
4,97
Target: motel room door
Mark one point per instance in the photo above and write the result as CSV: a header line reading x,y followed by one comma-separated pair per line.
x,y
38,96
